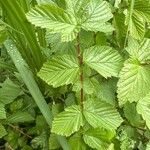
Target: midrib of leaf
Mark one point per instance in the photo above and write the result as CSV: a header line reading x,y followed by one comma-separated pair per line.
x,y
17,17
31,84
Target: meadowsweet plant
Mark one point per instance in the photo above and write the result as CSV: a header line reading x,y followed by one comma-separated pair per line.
x,y
88,69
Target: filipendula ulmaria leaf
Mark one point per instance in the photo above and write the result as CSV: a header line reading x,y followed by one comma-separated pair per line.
x,y
134,82
143,108
98,138
101,114
68,121
3,132
61,70
142,7
96,14
77,142
9,92
2,111
139,50
148,146
131,114
54,18
105,60
53,143
137,26
20,117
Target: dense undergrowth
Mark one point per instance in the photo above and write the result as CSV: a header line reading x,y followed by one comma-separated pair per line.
x,y
75,74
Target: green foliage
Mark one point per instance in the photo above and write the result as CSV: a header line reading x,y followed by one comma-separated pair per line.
x,y
75,74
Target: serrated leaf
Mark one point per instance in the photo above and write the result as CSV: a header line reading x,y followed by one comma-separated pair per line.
x,y
137,27
143,9
120,28
134,82
101,133
61,70
68,122
77,142
54,18
89,85
9,92
20,117
143,108
53,143
97,13
131,114
3,132
76,7
101,114
2,111
96,143
148,146
139,50
105,60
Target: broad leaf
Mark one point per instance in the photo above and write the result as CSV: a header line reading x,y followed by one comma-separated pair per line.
x,y
20,117
98,138
137,26
131,114
2,111
61,70
54,18
139,50
68,121
101,133
89,85
9,92
97,13
142,7
77,142
3,132
134,82
53,143
101,114
143,108
105,60
148,146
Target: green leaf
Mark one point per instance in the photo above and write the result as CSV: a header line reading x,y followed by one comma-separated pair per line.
x,y
120,28
131,114
143,108
2,111
105,60
53,143
97,13
98,138
89,85
101,133
77,142
148,146
143,9
76,7
54,18
137,26
20,117
139,50
61,70
9,92
68,121
3,132
134,82
101,114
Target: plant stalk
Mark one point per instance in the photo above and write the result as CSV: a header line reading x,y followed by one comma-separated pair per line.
x,y
80,60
